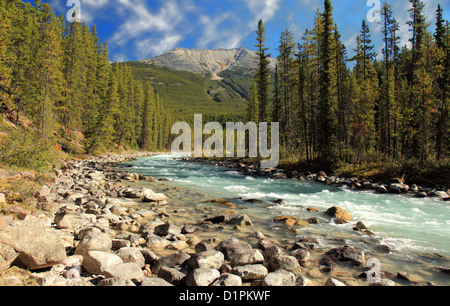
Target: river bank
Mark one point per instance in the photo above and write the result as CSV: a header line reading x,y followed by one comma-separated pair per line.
x,y
100,225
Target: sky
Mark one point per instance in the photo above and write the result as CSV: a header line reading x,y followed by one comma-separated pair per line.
x,y
140,29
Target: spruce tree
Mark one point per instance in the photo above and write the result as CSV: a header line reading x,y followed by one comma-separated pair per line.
x,y
262,76
327,119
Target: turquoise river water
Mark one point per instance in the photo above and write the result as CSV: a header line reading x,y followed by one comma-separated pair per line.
x,y
405,224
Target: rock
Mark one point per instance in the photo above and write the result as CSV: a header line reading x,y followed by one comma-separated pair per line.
x,y
441,194
2,199
173,275
73,220
131,255
280,278
302,255
167,229
285,218
381,189
156,242
347,255
171,261
126,271
115,282
17,212
202,277
229,280
398,188
251,272
38,248
232,247
7,256
301,280
155,282
49,279
206,260
242,220
3,224
384,282
94,241
41,194
248,257
285,262
150,197
97,262
332,282
338,212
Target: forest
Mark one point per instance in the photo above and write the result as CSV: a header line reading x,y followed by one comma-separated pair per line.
x,y
60,92
392,107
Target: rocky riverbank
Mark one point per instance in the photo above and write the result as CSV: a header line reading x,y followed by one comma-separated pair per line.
x,y
97,225
395,185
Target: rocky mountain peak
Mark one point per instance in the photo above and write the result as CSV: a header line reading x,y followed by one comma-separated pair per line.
x,y
207,61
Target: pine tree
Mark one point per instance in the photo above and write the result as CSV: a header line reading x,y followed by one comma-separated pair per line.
x,y
286,62
253,104
262,76
327,119
277,107
6,15
148,112
443,80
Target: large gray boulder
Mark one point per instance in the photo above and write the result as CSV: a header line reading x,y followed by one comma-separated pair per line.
x,y
38,248
97,262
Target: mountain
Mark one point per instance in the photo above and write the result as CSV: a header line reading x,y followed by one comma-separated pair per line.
x,y
204,61
215,83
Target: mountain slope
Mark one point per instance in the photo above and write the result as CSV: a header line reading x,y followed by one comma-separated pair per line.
x,y
215,83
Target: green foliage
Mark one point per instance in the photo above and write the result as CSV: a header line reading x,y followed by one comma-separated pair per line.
x,y
23,148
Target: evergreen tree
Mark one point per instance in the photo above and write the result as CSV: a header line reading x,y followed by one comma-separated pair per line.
x,y
286,61
327,130
262,76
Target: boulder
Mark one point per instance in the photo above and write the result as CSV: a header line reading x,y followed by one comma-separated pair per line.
x,y
232,247
229,280
280,278
251,272
97,262
202,277
38,248
338,212
347,256
171,261
7,256
206,260
73,220
126,271
248,257
155,282
398,188
286,262
332,282
242,220
174,276
167,229
94,241
131,255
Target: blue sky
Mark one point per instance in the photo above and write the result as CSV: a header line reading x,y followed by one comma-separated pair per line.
x,y
139,29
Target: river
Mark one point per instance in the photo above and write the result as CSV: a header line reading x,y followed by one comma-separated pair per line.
x,y
409,226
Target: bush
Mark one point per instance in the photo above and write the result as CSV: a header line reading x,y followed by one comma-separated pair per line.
x,y
23,148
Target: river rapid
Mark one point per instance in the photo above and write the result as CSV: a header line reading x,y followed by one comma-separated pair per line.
x,y
416,230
